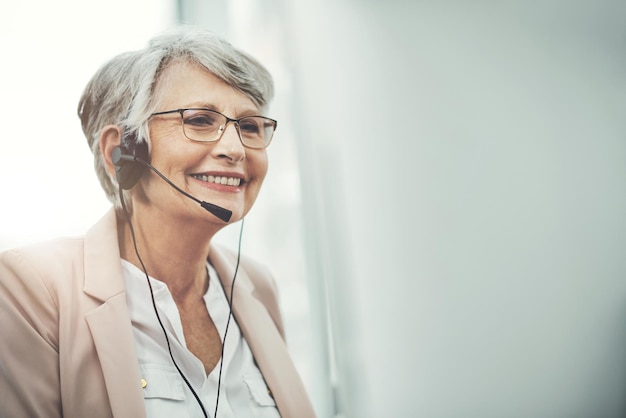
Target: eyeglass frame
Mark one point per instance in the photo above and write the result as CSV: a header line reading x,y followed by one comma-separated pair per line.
x,y
228,120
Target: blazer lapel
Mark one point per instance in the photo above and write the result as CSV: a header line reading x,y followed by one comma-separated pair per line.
x,y
109,323
266,344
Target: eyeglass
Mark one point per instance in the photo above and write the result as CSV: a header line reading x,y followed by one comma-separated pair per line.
x,y
205,125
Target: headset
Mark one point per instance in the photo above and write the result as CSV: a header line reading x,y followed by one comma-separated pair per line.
x,y
129,171
131,159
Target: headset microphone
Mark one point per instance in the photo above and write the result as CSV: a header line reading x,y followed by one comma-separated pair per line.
x,y
129,167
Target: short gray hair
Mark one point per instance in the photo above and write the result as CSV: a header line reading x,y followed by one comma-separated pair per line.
x,y
122,90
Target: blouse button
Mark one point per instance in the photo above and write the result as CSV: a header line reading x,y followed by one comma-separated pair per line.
x,y
144,383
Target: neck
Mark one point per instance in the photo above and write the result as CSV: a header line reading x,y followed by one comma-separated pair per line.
x,y
173,251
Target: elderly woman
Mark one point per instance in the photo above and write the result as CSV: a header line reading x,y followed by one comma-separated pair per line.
x,y
134,318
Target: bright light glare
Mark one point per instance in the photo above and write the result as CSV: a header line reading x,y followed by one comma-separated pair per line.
x,y
50,50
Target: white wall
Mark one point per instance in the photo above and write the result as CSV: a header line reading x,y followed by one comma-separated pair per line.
x,y
463,170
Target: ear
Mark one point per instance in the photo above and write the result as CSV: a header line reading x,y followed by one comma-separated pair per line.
x,y
110,137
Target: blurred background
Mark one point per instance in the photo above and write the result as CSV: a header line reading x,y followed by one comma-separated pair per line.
x,y
446,202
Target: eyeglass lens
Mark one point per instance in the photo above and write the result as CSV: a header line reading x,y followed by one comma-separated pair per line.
x,y
206,126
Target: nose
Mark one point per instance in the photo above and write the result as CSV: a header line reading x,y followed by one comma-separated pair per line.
x,y
229,145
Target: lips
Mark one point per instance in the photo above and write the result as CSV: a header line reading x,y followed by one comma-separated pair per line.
x,y
224,180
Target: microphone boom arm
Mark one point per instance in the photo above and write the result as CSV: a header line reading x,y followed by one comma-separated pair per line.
x,y
220,212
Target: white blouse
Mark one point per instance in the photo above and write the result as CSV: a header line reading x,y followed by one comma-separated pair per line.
x,y
243,390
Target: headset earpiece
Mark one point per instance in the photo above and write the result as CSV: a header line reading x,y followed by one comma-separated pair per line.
x,y
127,171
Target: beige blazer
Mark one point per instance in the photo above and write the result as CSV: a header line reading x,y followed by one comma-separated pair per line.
x,y
67,347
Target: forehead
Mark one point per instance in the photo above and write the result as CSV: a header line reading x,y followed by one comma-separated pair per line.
x,y
184,84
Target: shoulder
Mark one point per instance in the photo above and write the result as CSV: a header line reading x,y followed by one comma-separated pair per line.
x,y
47,249
261,279
44,257
34,280
259,274
46,264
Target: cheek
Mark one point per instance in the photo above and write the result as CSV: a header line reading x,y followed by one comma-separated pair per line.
x,y
258,170
260,164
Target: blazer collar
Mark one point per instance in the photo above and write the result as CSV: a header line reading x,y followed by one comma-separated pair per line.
x,y
263,338
109,323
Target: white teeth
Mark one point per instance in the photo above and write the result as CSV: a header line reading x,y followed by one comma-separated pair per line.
x,y
231,181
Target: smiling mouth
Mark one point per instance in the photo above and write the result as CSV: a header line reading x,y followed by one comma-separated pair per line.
x,y
228,181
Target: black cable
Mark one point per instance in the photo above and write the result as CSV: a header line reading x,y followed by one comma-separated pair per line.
x,y
167,340
230,315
